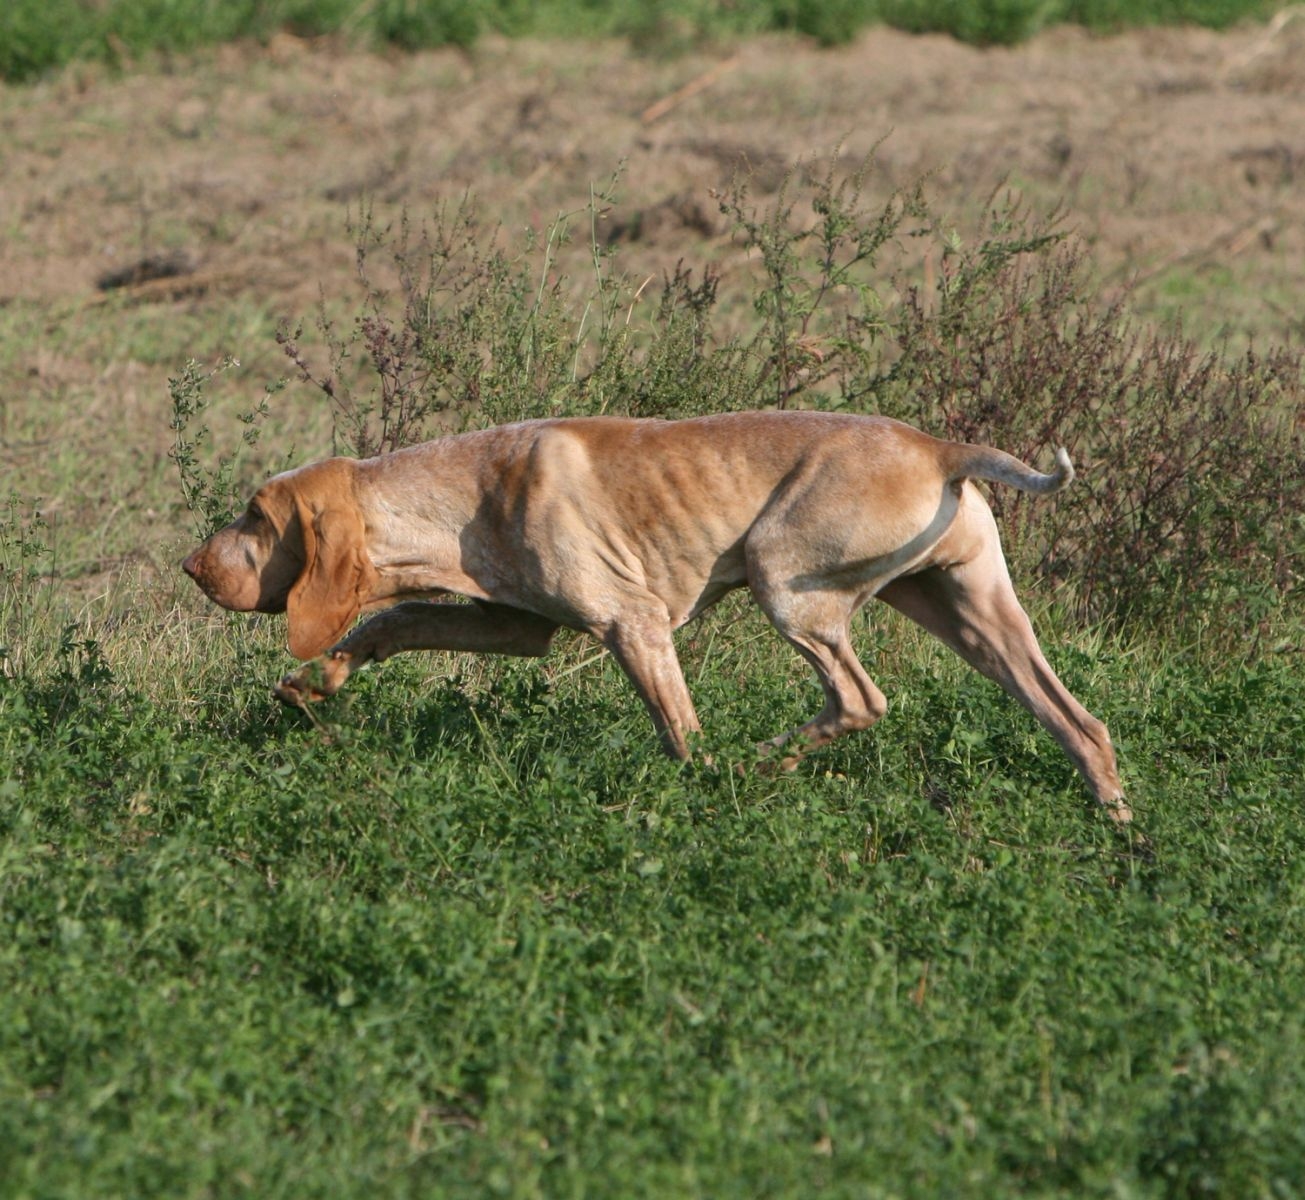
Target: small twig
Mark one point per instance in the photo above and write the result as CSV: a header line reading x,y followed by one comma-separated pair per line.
x,y
1280,22
633,302
173,287
921,989
655,112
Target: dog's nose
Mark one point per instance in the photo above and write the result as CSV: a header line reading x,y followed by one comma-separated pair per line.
x,y
190,564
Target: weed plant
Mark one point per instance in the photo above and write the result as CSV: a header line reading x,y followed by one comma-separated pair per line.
x,y
1191,463
465,932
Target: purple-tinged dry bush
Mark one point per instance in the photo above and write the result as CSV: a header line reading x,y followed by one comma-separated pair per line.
x,y
1190,463
1188,501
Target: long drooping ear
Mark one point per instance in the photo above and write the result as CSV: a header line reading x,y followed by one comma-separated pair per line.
x,y
336,579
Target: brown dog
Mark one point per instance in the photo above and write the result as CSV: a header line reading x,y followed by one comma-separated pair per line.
x,y
627,529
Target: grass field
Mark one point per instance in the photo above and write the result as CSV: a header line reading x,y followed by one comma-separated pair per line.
x,y
465,932
473,936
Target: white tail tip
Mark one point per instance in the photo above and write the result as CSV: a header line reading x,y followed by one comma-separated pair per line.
x,y
1064,468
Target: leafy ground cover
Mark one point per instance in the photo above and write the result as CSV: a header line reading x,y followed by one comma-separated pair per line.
x,y
477,937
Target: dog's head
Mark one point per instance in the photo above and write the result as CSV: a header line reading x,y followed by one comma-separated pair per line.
x,y
298,548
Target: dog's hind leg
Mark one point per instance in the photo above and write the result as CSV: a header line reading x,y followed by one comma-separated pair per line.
x,y
971,606
817,624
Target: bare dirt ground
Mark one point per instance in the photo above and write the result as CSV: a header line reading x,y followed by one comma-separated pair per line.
x,y
1162,144
1178,153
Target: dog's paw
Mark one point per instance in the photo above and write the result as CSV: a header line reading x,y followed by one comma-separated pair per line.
x,y
305,686
314,681
295,691
771,759
1118,811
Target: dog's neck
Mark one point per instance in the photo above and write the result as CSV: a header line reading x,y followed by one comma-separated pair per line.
x,y
416,523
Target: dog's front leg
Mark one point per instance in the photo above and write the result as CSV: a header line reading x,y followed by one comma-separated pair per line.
x,y
646,653
419,625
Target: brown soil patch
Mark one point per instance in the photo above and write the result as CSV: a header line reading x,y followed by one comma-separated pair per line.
x,y
1161,144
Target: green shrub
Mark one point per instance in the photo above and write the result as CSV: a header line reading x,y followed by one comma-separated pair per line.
x,y
411,26
26,561
984,22
1120,14
37,35
210,492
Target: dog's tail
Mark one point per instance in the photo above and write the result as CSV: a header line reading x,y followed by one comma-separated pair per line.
x,y
996,466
